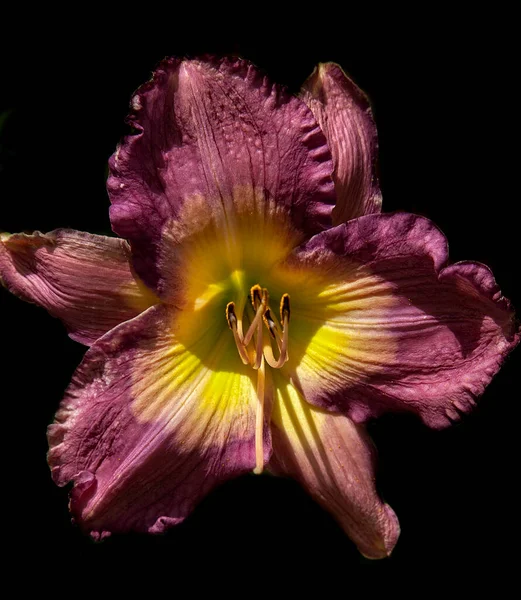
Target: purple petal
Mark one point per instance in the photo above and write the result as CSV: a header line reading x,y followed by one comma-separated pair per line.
x,y
154,418
417,335
333,458
211,132
344,114
85,280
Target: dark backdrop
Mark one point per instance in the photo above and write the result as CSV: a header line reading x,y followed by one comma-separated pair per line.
x,y
443,89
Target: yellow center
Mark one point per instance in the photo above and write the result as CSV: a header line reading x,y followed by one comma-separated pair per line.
x,y
220,264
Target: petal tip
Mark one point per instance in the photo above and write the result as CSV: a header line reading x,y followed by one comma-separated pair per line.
x,y
163,524
390,532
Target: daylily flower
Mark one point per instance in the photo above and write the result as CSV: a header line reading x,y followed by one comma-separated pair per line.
x,y
261,310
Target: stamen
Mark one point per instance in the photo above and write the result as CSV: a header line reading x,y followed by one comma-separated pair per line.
x,y
284,307
263,349
273,327
256,295
259,418
231,318
283,346
284,317
263,352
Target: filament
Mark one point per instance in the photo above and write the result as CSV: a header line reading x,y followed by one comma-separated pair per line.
x,y
259,418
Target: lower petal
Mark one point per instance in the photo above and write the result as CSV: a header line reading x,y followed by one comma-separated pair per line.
x,y
333,459
155,417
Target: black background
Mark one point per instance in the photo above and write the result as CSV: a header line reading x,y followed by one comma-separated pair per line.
x,y
443,88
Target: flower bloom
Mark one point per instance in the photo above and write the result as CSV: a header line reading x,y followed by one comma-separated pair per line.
x,y
261,311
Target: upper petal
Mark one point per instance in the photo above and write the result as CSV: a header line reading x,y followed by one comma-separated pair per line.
x,y
333,459
212,132
344,114
156,415
83,279
384,324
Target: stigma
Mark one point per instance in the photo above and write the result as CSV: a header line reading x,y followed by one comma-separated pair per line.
x,y
255,348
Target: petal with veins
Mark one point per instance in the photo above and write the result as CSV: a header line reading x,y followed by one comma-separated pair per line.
x,y
333,459
344,114
158,413
205,129
83,279
390,327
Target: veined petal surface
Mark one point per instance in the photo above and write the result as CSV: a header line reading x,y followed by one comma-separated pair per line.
x,y
344,114
383,324
333,459
157,414
207,130
83,279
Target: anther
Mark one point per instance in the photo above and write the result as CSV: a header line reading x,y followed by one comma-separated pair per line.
x,y
270,323
284,307
283,345
256,295
231,318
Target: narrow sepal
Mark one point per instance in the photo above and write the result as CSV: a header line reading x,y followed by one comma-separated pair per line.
x,y
344,114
